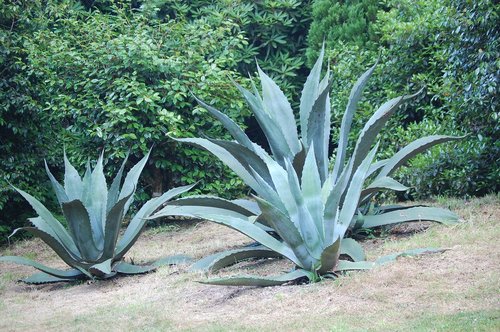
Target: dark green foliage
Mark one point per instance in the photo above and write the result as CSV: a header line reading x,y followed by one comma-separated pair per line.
x,y
450,48
26,136
345,20
117,80
455,54
275,30
123,82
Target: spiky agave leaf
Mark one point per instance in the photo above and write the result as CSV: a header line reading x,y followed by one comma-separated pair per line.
x,y
261,281
419,213
382,181
345,127
385,168
230,216
137,223
217,261
64,274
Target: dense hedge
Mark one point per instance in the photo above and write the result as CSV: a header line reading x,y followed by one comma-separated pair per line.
x,y
118,81
117,75
451,49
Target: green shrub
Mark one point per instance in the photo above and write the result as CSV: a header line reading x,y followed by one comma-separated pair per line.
x,y
348,21
26,134
118,80
275,30
450,48
127,86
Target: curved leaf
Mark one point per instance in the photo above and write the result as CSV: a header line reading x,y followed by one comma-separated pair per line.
x,y
44,278
383,183
345,127
55,245
286,198
260,281
94,197
229,124
353,249
83,233
216,202
348,265
332,201
194,211
65,274
49,224
226,157
376,166
102,270
411,214
255,232
330,257
114,221
126,268
277,105
272,131
310,92
130,182
72,180
373,127
412,149
352,196
311,191
318,131
249,205
246,157
288,232
393,207
311,230
223,259
269,193
114,189
58,188
364,265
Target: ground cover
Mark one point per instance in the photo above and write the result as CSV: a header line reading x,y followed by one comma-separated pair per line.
x,y
457,290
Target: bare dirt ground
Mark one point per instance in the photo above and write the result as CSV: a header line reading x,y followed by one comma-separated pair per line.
x,y
457,290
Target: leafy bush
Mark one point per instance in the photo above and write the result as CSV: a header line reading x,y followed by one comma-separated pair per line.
x,y
341,21
26,135
117,80
450,48
127,85
275,30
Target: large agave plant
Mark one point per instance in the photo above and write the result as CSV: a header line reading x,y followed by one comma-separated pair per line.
x,y
303,209
90,244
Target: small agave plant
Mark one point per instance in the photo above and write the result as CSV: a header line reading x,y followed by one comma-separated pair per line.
x,y
303,209
91,244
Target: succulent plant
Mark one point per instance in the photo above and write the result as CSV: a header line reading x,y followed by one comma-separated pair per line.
x,y
94,214
304,209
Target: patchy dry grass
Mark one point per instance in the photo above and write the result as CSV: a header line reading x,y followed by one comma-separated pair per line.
x,y
457,290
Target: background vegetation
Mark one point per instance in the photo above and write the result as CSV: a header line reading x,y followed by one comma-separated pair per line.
x,y
117,74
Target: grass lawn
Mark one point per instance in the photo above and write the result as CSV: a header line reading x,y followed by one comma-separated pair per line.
x,y
457,290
